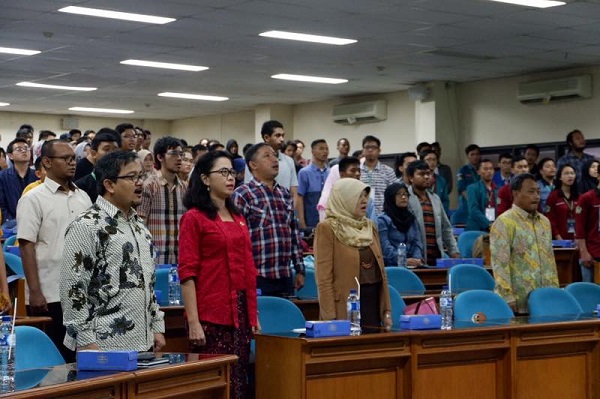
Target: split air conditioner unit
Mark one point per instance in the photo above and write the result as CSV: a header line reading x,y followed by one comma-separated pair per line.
x,y
545,91
364,112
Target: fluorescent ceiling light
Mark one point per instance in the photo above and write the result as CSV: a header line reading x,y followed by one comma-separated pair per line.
x,y
193,96
57,87
304,78
102,110
165,65
534,3
304,37
20,51
95,12
4,104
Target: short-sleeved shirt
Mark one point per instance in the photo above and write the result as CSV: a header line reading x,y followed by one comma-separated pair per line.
x,y
378,178
162,207
311,180
43,216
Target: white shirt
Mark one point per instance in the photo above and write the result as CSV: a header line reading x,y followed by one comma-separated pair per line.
x,y
286,177
42,218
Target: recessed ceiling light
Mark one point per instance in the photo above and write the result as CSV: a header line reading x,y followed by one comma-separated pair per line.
x,y
96,12
4,104
57,87
102,110
165,65
304,78
193,96
20,51
304,37
534,3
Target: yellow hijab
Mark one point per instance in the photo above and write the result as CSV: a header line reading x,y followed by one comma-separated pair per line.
x,y
350,230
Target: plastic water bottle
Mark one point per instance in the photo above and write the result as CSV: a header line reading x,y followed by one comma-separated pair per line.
x,y
402,254
7,355
446,308
353,306
174,287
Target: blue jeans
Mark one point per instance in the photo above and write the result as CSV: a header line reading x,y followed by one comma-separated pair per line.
x,y
587,273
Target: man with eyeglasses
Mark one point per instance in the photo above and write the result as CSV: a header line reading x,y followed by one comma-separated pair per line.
x,y
374,173
14,179
162,200
128,136
43,216
108,248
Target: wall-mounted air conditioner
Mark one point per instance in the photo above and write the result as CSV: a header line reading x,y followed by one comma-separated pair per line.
x,y
545,91
363,112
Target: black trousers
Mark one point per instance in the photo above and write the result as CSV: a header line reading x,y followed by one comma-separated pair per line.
x,y
56,331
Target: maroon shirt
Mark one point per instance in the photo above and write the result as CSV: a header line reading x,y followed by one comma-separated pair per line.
x,y
559,211
504,200
586,221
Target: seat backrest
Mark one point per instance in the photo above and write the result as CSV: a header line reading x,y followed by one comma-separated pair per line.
x,y
468,303
469,277
552,301
10,241
35,349
586,294
309,291
398,306
162,284
278,315
465,242
405,281
15,263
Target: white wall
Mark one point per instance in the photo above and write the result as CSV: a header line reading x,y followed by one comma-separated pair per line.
x,y
237,125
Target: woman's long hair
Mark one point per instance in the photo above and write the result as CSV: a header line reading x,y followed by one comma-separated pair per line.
x,y
197,195
574,191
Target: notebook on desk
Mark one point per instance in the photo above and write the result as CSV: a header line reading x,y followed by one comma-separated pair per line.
x,y
142,364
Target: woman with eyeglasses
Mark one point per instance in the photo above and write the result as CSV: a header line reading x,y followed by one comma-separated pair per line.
x,y
562,204
347,249
187,163
398,225
216,267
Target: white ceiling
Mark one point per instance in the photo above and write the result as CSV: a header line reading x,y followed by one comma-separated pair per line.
x,y
400,43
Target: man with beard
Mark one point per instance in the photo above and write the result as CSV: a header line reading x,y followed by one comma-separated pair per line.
x,y
43,216
107,274
162,200
575,157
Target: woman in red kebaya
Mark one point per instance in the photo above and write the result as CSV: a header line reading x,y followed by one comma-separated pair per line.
x,y
561,204
216,268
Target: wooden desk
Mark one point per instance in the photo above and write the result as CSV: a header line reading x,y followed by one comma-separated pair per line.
x,y
546,359
175,333
201,376
33,321
567,265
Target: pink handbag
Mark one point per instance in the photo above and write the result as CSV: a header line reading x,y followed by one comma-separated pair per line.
x,y
425,306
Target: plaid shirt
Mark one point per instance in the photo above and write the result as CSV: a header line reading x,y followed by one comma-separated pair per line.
x,y
378,178
273,228
162,209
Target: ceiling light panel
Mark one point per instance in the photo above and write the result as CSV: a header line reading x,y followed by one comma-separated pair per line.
x,y
189,96
534,3
4,104
18,51
101,110
126,16
304,37
55,87
312,79
165,65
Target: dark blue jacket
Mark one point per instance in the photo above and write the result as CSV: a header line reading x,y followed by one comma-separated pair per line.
x,y
11,188
391,237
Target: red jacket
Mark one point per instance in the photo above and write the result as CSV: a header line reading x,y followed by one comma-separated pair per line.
x,y
504,200
218,256
586,221
557,210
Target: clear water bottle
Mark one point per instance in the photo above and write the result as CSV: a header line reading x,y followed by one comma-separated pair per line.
x,y
446,308
402,254
174,287
7,356
353,306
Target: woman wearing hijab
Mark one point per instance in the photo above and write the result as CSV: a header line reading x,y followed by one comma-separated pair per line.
x,y
147,160
82,150
346,248
233,148
589,176
398,225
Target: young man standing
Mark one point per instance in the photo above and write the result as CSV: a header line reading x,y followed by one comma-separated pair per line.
x,y
43,216
438,183
587,233
269,212
104,142
311,180
576,157
504,199
162,200
481,197
436,230
374,173
14,179
402,162
466,176
503,175
128,138
521,246
531,154
343,147
106,247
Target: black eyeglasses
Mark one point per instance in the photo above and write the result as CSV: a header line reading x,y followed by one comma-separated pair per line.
x,y
225,172
66,158
133,178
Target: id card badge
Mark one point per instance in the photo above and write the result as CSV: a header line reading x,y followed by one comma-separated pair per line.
x,y
571,226
490,214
